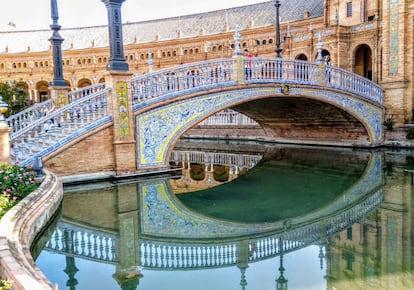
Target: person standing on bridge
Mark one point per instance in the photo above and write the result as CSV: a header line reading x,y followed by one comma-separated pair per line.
x,y
248,64
327,60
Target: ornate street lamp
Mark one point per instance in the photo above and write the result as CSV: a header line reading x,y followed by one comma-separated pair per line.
x,y
281,282
56,41
4,107
278,49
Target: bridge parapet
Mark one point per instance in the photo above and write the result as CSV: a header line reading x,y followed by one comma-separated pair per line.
x,y
26,117
216,158
85,91
188,78
184,78
190,254
44,135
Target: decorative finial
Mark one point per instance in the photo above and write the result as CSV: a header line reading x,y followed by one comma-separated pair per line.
x,y
319,46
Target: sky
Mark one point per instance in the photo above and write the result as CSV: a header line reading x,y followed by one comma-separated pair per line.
x,y
35,14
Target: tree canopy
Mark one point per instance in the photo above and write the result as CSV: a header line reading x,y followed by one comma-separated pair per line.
x,y
15,96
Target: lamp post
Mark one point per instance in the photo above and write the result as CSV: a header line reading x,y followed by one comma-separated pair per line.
x,y
56,41
117,60
281,282
278,50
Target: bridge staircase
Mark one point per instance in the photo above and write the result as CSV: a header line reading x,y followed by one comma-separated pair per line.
x,y
42,129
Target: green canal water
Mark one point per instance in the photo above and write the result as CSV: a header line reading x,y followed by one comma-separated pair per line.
x,y
240,216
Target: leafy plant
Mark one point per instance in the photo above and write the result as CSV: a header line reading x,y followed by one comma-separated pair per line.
x,y
16,182
15,96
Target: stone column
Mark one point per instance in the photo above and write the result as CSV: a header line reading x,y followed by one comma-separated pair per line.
x,y
120,107
243,261
4,143
398,98
128,272
119,98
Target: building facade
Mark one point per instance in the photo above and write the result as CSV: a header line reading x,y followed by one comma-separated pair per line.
x,y
372,38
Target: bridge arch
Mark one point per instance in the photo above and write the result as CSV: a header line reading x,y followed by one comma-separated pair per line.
x,y
160,127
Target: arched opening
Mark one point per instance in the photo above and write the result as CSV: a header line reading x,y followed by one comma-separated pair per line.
x,y
84,83
325,53
301,57
43,89
197,171
221,173
363,61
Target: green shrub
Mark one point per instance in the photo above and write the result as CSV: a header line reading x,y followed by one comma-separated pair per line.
x,y
16,182
410,133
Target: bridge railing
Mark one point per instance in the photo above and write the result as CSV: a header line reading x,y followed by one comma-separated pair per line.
x,y
216,158
85,91
58,127
264,70
26,117
188,77
228,117
214,73
100,246
88,244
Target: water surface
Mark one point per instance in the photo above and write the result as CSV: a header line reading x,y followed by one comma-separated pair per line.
x,y
334,219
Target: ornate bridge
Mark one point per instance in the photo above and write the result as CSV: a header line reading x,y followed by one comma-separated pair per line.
x,y
163,105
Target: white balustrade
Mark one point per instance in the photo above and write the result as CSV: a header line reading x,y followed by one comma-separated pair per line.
x,y
217,158
218,72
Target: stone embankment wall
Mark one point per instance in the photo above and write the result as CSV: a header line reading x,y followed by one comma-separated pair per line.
x,y
18,229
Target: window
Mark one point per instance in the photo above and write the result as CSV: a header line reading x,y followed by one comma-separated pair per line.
x,y
348,9
349,233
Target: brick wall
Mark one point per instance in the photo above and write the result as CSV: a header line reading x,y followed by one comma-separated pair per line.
x,y
94,153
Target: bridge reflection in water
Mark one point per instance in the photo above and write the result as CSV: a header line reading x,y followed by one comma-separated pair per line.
x,y
159,224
